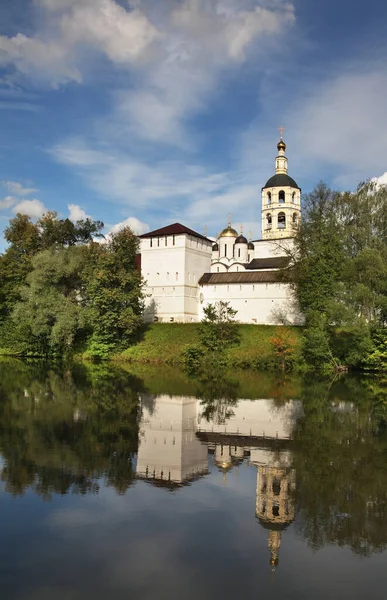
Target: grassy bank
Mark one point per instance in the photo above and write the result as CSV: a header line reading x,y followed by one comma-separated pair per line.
x,y
164,343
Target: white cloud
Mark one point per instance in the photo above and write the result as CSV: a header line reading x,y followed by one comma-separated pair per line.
x,y
54,54
121,34
8,202
187,193
380,181
138,227
43,60
338,125
76,213
32,208
16,188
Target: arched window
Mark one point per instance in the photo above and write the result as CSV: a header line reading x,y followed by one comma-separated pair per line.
x,y
225,249
281,196
268,219
294,197
239,252
281,220
269,197
295,218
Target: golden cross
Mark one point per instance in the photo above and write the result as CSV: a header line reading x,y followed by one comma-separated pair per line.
x,y
250,236
229,219
281,130
241,228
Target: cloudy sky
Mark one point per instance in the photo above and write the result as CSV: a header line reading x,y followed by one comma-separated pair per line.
x,y
155,111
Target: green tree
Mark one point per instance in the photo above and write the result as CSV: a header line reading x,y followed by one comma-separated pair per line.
x,y
114,292
219,328
50,318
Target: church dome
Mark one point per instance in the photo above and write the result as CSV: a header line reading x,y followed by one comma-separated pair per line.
x,y
281,180
251,246
281,145
215,247
229,232
241,239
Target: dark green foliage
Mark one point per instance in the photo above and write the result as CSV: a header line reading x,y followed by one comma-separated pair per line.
x,y
63,430
219,329
113,292
339,274
60,290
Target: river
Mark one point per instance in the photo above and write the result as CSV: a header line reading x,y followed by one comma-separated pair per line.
x,y
144,483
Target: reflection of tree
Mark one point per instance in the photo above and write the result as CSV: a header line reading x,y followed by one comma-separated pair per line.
x,y
218,395
341,470
63,430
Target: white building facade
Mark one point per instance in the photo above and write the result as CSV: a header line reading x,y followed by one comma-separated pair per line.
x,y
185,271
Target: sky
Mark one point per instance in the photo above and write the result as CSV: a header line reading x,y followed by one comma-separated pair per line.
x,y
150,112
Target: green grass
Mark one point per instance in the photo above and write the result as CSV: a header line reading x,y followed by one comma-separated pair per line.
x,y
163,343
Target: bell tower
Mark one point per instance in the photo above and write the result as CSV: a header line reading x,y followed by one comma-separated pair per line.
x,y
281,200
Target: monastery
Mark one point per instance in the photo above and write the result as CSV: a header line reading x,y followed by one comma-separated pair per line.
x,y
178,446
185,271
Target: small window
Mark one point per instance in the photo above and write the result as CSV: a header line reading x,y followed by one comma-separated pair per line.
x,y
166,240
158,241
217,269
225,249
269,197
281,196
248,257
281,220
268,220
294,197
173,240
239,252
151,242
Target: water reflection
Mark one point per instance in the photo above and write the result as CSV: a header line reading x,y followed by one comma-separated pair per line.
x,y
319,451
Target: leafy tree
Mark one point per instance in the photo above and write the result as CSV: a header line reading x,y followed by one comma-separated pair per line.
x,y
113,292
339,273
218,329
50,319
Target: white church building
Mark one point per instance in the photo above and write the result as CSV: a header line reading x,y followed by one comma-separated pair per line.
x,y
185,271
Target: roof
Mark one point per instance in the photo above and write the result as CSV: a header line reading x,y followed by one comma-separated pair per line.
x,y
241,240
174,229
274,262
239,277
281,180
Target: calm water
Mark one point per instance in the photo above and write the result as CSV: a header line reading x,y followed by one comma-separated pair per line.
x,y
119,484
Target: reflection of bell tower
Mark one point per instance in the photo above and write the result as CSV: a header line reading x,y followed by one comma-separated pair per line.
x,y
275,509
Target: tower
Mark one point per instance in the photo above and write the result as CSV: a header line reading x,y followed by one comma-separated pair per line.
x,y
275,509
281,200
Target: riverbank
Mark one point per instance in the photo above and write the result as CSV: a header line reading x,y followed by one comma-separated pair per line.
x,y
165,343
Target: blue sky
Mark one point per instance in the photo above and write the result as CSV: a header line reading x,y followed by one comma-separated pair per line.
x,y
154,111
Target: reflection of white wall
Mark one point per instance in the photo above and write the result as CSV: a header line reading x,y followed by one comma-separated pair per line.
x,y
169,448
261,418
